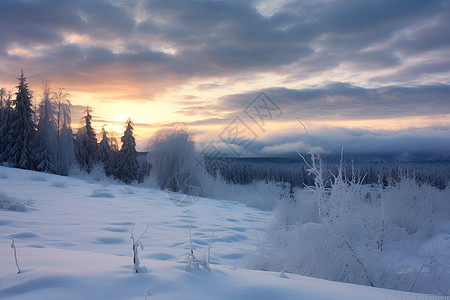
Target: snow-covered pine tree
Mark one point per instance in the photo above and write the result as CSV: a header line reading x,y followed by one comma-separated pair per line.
x,y
2,96
46,136
6,114
23,129
86,144
106,152
127,167
144,167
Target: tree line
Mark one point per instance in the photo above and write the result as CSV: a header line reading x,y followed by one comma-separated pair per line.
x,y
41,138
245,171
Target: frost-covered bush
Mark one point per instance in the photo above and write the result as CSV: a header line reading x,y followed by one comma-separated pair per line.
x,y
342,230
408,206
193,263
441,203
11,203
172,151
302,210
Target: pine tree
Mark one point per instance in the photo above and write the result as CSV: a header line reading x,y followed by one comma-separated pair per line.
x,y
106,152
6,114
2,96
127,168
46,136
23,129
86,144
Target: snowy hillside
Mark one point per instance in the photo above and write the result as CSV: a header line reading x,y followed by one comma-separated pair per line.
x,y
73,242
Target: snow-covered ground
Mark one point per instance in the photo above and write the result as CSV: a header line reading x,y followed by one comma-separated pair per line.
x,y
74,243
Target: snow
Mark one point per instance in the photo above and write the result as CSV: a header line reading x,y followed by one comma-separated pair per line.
x,y
73,242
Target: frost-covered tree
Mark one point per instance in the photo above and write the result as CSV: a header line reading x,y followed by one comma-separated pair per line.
x,y
62,106
106,152
6,115
23,129
86,144
47,135
127,167
66,154
172,151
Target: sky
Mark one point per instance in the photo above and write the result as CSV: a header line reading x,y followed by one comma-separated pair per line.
x,y
248,78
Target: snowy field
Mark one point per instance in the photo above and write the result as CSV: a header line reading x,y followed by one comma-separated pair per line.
x,y
73,242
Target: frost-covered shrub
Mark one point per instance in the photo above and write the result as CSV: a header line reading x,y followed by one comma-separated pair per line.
x,y
441,202
408,206
324,253
171,152
192,262
11,203
303,210
343,230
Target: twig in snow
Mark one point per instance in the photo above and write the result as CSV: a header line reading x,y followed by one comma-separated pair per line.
x,y
147,293
15,254
136,244
193,263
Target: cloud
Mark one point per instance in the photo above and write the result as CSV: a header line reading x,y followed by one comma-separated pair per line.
x,y
430,141
290,148
342,101
176,41
329,60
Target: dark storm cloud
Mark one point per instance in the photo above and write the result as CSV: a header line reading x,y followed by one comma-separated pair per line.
x,y
42,22
28,22
226,38
342,101
227,35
